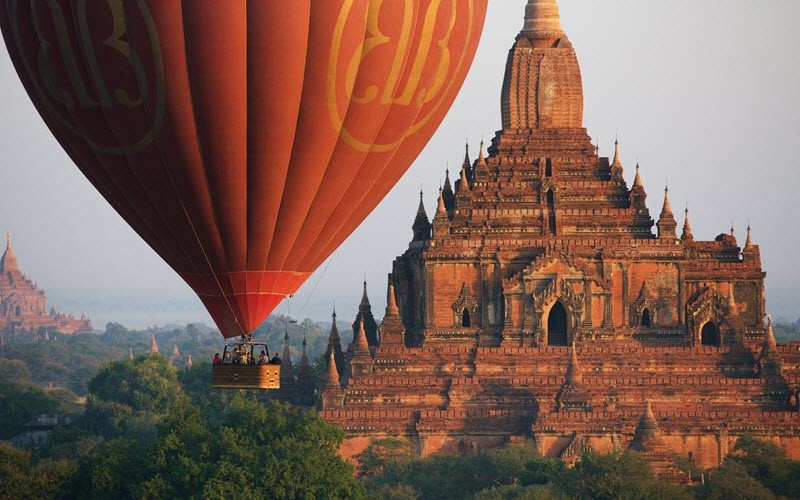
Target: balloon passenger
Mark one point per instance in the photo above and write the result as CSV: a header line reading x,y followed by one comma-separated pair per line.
x,y
275,360
217,360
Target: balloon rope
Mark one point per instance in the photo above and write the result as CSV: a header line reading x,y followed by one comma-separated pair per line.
x,y
317,284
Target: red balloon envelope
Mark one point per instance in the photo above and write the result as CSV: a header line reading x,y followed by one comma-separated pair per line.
x,y
243,140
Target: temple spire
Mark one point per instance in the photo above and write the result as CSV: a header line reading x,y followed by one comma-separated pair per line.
x,y
482,154
467,161
687,227
391,301
463,183
637,181
647,428
542,16
130,353
666,222
421,207
749,243
732,309
574,372
153,345
769,339
9,260
422,226
441,210
360,342
331,378
364,297
617,157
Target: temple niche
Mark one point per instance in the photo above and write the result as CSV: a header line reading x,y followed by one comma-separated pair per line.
x,y
23,306
544,301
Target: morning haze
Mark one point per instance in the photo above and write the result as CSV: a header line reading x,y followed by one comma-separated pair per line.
x,y
703,93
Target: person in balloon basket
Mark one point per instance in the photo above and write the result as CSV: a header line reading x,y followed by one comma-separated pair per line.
x,y
227,360
263,359
275,360
237,356
217,360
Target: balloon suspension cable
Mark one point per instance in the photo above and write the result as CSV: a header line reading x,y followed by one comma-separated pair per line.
x,y
324,270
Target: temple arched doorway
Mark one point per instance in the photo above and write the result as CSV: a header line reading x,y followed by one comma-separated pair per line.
x,y
709,335
646,317
557,326
465,319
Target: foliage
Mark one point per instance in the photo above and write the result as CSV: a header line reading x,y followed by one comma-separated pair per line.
x,y
20,478
787,332
616,475
129,397
20,404
767,463
442,476
243,448
380,452
517,492
731,482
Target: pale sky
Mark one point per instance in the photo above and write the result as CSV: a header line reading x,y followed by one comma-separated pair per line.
x,y
705,93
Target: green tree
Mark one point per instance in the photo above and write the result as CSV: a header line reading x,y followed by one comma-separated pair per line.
x,y
616,475
14,370
373,460
767,463
20,477
732,482
20,404
128,398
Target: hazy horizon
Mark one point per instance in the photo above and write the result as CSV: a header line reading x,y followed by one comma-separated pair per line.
x,y
703,93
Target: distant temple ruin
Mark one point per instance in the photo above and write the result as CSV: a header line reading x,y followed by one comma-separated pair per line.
x,y
539,304
23,306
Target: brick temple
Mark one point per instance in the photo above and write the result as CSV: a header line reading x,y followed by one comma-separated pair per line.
x,y
540,302
23,306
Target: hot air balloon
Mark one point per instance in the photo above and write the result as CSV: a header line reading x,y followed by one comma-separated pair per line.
x,y
242,140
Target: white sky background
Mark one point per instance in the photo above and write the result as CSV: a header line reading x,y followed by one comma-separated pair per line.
x,y
706,94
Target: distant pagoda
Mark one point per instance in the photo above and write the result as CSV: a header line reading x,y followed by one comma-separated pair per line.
x,y
23,308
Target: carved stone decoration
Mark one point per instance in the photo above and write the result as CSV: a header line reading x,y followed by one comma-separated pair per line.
x,y
710,306
558,290
646,301
465,302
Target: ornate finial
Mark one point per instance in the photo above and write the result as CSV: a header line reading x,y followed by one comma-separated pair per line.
x,y
304,342
333,315
542,16
189,362
130,353
482,154
8,240
440,208
733,231
732,309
